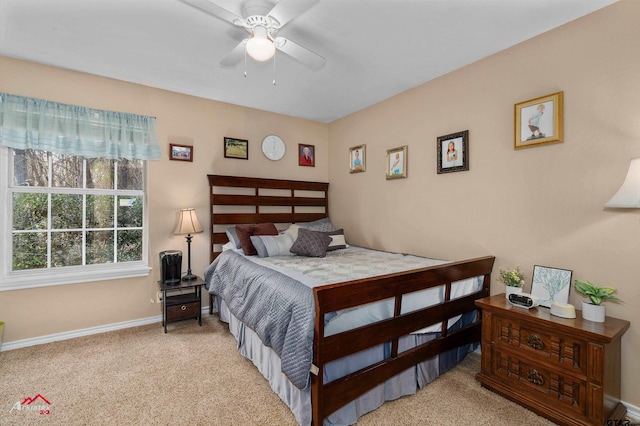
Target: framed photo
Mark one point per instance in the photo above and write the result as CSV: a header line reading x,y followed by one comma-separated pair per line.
x,y
180,152
306,155
551,285
453,152
236,148
357,161
539,121
397,162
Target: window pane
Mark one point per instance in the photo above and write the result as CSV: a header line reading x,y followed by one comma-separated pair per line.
x,y
66,211
99,247
129,211
130,174
100,173
30,168
66,171
29,250
66,249
129,245
100,211
29,211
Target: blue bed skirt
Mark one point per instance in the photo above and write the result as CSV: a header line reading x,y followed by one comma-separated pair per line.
x,y
299,401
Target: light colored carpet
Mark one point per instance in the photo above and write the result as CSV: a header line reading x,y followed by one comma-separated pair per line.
x,y
195,376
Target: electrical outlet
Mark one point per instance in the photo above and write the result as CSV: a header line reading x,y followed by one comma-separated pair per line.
x,y
159,297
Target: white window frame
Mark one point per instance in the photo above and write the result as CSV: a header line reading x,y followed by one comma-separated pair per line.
x,y
15,280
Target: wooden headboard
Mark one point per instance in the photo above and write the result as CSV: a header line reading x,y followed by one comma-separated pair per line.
x,y
241,200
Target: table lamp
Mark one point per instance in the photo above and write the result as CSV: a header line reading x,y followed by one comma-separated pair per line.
x,y
188,224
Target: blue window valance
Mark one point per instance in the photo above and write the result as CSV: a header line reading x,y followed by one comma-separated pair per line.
x,y
28,123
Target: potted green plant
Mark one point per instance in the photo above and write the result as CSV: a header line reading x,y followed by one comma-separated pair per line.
x,y
513,279
593,309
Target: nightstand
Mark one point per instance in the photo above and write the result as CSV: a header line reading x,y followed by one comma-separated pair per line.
x,y
181,301
567,370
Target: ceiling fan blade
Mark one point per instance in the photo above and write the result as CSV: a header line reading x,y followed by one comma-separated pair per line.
x,y
299,53
235,56
286,10
213,9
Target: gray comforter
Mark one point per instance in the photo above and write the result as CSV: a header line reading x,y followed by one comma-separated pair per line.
x,y
278,308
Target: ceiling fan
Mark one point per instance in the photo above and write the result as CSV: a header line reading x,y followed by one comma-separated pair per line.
x,y
263,23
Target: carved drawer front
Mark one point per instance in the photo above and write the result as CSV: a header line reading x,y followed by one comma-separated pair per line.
x,y
559,350
558,389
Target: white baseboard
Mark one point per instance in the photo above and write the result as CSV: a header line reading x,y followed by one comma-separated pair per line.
x,y
83,332
633,412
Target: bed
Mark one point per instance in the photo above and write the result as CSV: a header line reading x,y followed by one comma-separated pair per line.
x,y
349,371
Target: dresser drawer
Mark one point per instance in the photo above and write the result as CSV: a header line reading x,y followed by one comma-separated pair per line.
x,y
558,350
183,311
561,390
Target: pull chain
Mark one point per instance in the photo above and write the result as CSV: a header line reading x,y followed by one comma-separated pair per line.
x,y
274,67
245,62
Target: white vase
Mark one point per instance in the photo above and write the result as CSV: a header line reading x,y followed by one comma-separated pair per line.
x,y
591,312
510,290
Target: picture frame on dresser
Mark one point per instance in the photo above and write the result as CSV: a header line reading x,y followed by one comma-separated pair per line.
x,y
551,285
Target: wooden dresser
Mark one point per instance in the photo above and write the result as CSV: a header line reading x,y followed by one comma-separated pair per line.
x,y
567,370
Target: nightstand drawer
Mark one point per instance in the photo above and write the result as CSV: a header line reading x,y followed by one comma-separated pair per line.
x,y
564,391
183,310
560,350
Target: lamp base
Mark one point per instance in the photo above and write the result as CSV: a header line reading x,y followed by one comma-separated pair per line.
x,y
189,277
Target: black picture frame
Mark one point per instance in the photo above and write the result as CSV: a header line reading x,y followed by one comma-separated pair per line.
x,y
236,148
449,162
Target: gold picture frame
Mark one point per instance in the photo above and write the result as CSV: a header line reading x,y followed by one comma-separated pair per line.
x,y
397,162
539,121
357,159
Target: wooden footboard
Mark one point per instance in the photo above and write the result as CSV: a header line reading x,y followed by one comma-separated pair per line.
x,y
327,398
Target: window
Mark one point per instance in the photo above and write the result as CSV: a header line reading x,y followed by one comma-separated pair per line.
x,y
72,192
71,219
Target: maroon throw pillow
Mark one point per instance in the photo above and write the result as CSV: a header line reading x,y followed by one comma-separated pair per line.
x,y
246,231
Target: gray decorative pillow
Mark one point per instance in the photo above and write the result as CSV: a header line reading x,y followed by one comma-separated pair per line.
x,y
311,243
323,225
267,245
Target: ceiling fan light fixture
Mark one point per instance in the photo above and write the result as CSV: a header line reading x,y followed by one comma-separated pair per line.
x,y
260,47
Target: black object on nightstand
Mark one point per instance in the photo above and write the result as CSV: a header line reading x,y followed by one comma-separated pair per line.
x,y
184,302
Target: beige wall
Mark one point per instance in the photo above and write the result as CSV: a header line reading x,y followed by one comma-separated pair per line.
x,y
536,206
172,185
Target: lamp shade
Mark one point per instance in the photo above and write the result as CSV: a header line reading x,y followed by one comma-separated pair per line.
x,y
260,47
628,196
187,223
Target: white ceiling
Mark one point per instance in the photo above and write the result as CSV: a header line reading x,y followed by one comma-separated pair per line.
x,y
374,49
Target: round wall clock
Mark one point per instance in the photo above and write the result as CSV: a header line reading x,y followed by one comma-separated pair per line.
x,y
273,147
